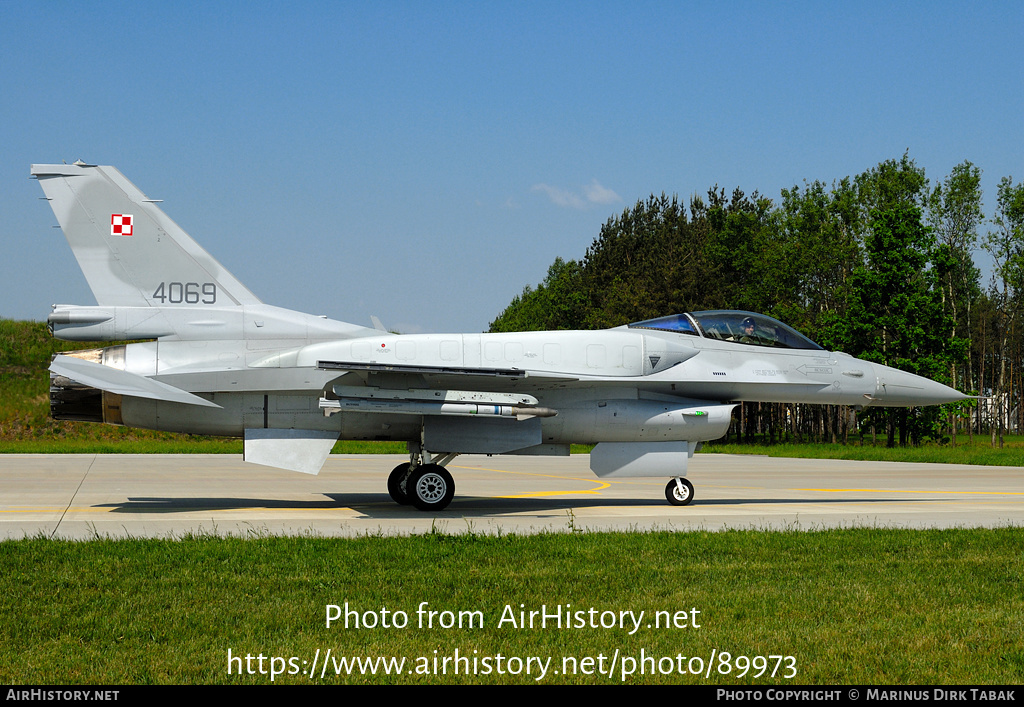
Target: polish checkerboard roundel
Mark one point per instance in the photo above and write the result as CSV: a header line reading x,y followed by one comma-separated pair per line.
x,y
120,224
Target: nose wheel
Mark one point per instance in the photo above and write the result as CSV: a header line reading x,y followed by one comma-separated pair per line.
x,y
679,491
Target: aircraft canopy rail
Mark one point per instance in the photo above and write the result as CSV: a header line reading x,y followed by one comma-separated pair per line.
x,y
731,325
679,323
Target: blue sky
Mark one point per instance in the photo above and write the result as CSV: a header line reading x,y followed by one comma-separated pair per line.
x,y
422,162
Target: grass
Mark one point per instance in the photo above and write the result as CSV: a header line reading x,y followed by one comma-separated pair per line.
x,y
861,606
980,451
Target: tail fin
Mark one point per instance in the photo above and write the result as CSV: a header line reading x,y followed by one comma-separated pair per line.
x,y
131,253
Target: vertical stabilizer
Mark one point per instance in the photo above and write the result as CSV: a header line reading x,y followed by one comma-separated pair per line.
x,y
131,252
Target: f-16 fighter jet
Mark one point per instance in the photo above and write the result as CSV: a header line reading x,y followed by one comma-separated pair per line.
x,y
218,361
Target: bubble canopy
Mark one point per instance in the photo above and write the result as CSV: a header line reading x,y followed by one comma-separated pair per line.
x,y
730,325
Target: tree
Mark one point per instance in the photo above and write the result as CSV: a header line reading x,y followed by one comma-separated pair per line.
x,y
744,253
955,213
650,260
1006,245
557,303
891,183
819,234
894,314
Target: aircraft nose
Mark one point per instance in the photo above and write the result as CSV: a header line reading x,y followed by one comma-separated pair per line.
x,y
896,388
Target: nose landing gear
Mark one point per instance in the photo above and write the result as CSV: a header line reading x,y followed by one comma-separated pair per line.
x,y
679,491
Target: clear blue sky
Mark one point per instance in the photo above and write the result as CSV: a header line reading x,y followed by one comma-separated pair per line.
x,y
425,161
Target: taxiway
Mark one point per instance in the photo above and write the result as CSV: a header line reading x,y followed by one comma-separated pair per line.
x,y
86,496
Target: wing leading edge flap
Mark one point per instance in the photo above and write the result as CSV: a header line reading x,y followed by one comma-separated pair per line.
x,y
456,372
113,380
420,370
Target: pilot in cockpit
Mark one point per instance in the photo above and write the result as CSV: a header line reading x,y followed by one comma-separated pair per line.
x,y
747,332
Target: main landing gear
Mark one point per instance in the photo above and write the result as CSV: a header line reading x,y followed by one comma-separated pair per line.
x,y
423,482
679,491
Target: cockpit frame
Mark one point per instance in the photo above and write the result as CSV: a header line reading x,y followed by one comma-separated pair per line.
x,y
735,326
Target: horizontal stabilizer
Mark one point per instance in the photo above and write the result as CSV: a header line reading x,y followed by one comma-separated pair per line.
x,y
113,380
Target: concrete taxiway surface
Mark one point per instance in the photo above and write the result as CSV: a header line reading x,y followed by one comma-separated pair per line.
x,y
85,496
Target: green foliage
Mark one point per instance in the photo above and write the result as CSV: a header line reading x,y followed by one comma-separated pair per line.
x,y
655,258
955,213
895,315
648,261
743,253
977,453
26,349
1006,246
819,245
1006,243
557,303
889,184
955,210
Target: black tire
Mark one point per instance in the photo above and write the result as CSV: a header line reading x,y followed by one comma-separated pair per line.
x,y
398,484
431,488
677,496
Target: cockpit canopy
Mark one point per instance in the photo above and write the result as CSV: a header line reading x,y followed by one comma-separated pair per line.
x,y
731,325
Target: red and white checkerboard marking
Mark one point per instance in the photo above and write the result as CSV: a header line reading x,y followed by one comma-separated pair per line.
x,y
120,224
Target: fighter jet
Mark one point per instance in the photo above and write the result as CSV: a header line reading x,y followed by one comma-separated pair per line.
x,y
218,361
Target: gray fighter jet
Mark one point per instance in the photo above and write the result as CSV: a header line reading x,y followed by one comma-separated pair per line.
x,y
220,362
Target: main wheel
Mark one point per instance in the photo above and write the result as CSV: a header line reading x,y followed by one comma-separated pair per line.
x,y
398,484
431,487
679,494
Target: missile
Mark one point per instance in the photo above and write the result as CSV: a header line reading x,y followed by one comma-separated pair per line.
x,y
422,407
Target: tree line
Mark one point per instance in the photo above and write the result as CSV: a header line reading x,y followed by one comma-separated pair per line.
x,y
879,265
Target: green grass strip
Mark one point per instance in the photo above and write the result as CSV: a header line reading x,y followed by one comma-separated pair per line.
x,y
873,606
979,452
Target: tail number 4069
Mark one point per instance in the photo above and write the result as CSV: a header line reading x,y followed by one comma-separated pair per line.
x,y
186,293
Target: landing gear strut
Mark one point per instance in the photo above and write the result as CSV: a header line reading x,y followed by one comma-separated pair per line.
x,y
679,491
